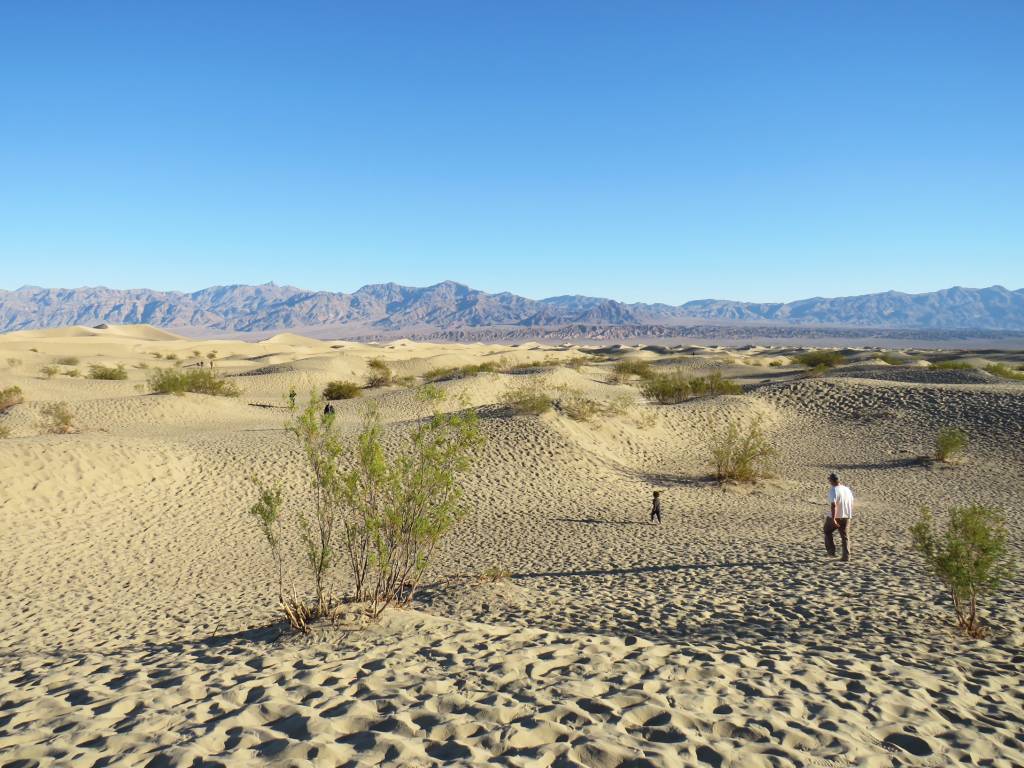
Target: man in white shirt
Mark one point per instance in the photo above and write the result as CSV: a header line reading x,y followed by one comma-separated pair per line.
x,y
839,517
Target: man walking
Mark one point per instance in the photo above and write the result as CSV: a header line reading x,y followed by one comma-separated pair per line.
x,y
839,517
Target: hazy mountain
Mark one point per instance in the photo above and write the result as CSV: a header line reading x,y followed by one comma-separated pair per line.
x,y
449,305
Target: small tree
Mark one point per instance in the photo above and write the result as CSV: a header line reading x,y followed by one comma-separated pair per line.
x,y
741,451
949,442
405,501
321,450
970,557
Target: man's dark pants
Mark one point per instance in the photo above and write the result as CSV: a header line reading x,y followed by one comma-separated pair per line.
x,y
844,534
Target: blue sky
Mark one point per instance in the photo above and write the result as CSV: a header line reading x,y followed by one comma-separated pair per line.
x,y
642,151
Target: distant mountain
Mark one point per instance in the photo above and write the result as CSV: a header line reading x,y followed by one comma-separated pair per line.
x,y
449,306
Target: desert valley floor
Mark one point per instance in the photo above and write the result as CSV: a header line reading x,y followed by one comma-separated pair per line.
x,y
559,626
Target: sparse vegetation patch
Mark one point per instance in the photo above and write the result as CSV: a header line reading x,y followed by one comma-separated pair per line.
x,y
1004,372
820,358
57,418
108,373
67,361
528,398
460,372
949,443
202,381
10,397
341,390
675,386
380,374
49,371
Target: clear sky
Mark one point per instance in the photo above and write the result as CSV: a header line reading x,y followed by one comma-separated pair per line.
x,y
637,150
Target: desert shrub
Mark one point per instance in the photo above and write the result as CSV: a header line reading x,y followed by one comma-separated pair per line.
x,y
577,406
67,361
341,390
741,451
527,399
460,372
385,516
49,371
157,355
1004,372
675,386
170,356
108,373
820,357
405,501
172,381
493,574
776,364
951,365
141,366
404,381
13,362
74,373
57,418
33,349
970,557
577,362
817,371
627,369
380,374
949,442
5,432
10,397
196,353
890,358
430,393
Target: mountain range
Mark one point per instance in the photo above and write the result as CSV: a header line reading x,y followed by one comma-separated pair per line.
x,y
448,306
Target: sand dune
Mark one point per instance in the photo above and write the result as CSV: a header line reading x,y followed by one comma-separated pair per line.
x,y
137,623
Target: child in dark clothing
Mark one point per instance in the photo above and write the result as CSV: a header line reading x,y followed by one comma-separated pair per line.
x,y
656,508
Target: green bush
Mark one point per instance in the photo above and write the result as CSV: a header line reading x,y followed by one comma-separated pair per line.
x,y
67,361
49,371
57,418
675,386
430,393
341,390
951,365
385,516
578,406
527,399
741,451
108,373
970,557
201,381
627,369
1004,372
820,357
460,372
380,374
10,397
949,442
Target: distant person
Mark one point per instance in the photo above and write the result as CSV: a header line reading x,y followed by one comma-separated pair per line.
x,y
291,397
656,507
839,517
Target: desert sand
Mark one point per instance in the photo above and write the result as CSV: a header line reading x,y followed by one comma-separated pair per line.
x,y
137,616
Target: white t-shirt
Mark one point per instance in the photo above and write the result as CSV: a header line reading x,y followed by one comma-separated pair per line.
x,y
843,498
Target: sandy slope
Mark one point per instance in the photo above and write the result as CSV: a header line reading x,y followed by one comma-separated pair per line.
x,y
136,624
